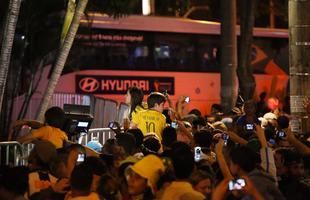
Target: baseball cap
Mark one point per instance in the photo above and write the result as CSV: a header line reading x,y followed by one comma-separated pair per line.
x,y
150,168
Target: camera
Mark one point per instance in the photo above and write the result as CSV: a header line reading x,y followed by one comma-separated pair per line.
x,y
236,184
186,99
77,119
197,154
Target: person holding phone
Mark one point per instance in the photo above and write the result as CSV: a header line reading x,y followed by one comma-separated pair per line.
x,y
246,123
242,185
244,162
281,136
183,162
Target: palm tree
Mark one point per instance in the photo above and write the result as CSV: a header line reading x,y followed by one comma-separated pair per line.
x,y
246,78
61,58
229,84
7,43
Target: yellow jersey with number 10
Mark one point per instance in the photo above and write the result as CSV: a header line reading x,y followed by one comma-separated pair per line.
x,y
150,121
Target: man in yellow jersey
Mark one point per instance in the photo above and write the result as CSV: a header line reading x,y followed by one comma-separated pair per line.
x,y
50,131
152,119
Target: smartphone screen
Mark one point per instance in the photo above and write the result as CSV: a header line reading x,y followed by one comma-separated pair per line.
x,y
111,125
281,134
83,124
174,125
197,154
236,184
81,157
249,127
225,138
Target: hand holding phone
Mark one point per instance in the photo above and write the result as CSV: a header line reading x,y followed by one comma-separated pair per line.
x,y
236,184
115,127
81,157
197,154
225,138
112,125
174,124
281,134
249,127
187,99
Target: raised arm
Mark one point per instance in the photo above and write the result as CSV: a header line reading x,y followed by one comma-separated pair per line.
x,y
302,148
180,105
28,138
261,136
266,153
236,138
32,123
221,160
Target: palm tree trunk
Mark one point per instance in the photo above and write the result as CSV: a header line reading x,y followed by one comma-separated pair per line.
x,y
272,14
245,72
299,54
229,83
7,43
61,59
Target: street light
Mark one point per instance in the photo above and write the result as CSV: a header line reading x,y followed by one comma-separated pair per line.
x,y
148,7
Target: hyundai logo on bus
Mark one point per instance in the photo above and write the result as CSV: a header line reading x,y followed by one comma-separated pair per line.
x,y
95,84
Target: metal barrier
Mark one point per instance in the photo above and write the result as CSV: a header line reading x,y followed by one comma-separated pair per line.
x,y
98,134
27,147
13,153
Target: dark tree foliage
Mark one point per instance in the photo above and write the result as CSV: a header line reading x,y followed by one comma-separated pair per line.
x,y
37,39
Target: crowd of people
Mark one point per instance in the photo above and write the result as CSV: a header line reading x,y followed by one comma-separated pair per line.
x,y
162,153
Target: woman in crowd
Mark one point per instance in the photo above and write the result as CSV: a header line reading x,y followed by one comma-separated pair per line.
x,y
134,99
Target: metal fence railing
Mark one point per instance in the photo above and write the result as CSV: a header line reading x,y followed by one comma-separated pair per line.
x,y
27,147
98,134
11,153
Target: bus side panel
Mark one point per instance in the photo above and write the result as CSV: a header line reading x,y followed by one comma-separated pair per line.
x,y
202,88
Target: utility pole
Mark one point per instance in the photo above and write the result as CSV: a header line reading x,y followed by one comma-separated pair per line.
x,y
299,54
229,82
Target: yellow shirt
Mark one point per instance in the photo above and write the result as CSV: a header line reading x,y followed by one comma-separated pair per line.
x,y
138,109
150,121
181,190
51,134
